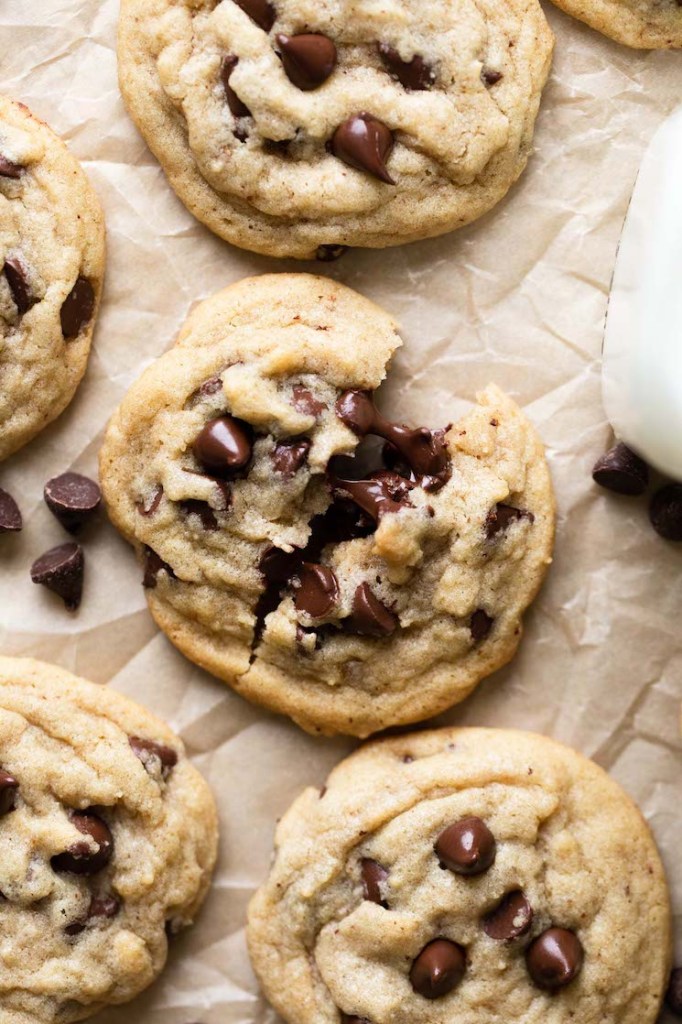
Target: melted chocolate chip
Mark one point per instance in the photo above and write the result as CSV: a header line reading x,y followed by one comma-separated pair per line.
x,y
673,996
373,877
8,792
77,308
480,625
317,591
10,516
308,59
383,493
224,446
364,142
370,617
72,499
665,512
20,289
203,511
468,847
413,74
305,402
80,858
148,751
237,108
8,169
149,507
555,958
491,77
260,11
330,253
502,516
622,471
153,565
438,969
290,455
61,570
511,918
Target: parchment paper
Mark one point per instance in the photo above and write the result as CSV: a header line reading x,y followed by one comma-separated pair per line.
x,y
518,298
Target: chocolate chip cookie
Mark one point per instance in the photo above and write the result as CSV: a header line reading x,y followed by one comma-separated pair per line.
x,y
642,24
295,128
107,844
326,561
464,876
51,271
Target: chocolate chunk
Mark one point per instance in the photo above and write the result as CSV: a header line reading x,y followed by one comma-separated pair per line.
x,y
502,516
438,969
317,590
153,565
511,918
224,446
370,617
555,958
622,471
308,59
72,499
673,996
383,493
149,507
77,308
61,570
260,11
491,77
237,108
665,512
364,142
330,253
80,858
413,74
8,169
305,402
480,625
290,455
373,875
20,289
8,792
148,751
201,509
10,516
468,847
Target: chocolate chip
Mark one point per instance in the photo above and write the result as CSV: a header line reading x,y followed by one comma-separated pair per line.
x,y
622,471
203,511
149,751
210,387
665,512
438,969
317,590
491,77
149,507
364,142
373,876
346,1019
260,11
77,308
511,918
72,499
237,108
153,565
370,617
555,958
480,625
290,455
8,792
224,446
413,74
8,169
61,570
305,402
468,847
104,906
308,59
80,858
10,516
382,494
20,289
330,253
502,516
673,996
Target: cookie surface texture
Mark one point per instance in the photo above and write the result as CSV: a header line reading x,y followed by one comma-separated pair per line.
x,y
642,24
107,844
292,125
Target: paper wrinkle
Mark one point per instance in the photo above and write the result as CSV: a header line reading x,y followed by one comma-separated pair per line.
x,y
518,298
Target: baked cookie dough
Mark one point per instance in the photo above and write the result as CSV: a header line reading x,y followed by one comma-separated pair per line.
x,y
51,272
464,876
294,128
350,594
107,844
642,24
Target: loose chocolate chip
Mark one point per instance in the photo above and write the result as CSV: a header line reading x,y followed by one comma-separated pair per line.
x,y
480,625
491,77
224,446
149,507
673,996
201,509
153,565
622,471
148,751
77,308
72,499
511,918
8,792
8,169
502,516
665,512
364,142
373,875
438,969
555,958
17,279
412,74
80,858
317,591
305,402
10,516
370,617
330,253
61,570
308,59
260,11
290,455
237,108
468,847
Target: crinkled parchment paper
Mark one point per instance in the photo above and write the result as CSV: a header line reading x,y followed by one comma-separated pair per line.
x,y
518,298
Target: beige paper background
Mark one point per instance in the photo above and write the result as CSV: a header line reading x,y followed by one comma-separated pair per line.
x,y
518,298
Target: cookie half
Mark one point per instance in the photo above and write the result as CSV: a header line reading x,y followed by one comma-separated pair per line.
x,y
463,876
107,844
642,24
349,593
51,272
294,128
